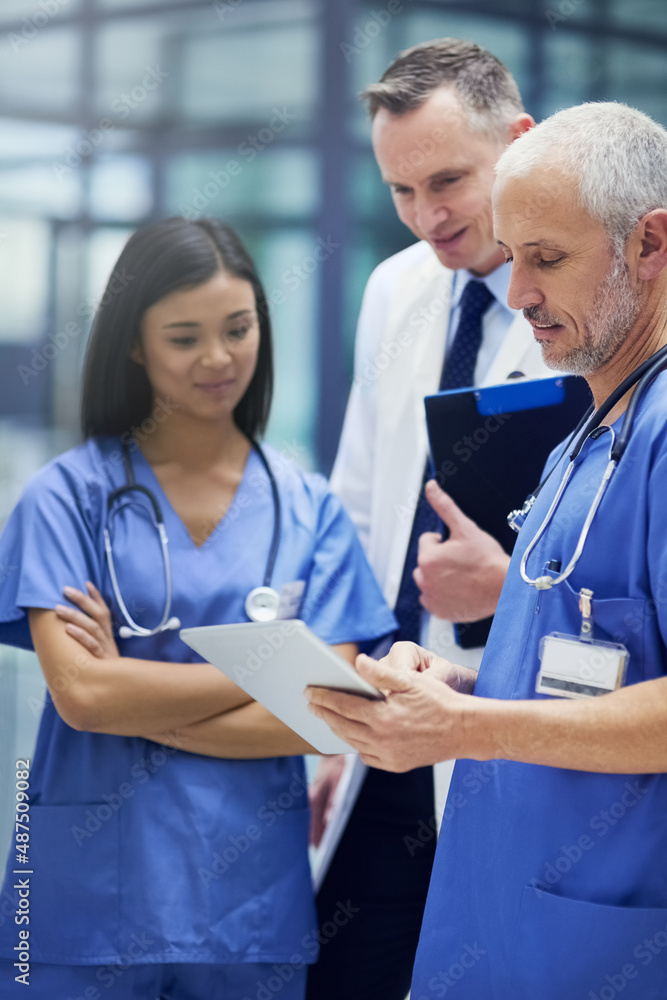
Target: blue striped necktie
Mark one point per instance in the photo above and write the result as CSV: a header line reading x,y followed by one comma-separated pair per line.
x,y
458,372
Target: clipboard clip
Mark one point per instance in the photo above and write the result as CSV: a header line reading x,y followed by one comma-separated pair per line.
x,y
516,518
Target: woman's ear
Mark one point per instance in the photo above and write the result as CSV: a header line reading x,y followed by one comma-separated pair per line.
x,y
137,353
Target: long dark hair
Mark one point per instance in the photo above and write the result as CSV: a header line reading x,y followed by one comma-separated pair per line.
x,y
158,259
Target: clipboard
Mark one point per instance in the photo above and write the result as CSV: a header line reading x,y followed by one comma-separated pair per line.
x,y
489,447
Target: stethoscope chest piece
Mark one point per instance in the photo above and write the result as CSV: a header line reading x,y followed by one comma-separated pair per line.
x,y
261,604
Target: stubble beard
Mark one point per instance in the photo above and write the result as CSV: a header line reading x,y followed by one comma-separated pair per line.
x,y
613,314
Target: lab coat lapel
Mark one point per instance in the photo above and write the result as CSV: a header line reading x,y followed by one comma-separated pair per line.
x,y
420,316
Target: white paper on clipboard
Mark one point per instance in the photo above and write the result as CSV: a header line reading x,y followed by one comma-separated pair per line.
x,y
344,798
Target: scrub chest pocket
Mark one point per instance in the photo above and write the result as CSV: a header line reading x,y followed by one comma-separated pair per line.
x,y
616,620
566,949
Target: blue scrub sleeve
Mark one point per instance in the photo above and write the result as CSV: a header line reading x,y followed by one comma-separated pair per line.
x,y
46,544
343,602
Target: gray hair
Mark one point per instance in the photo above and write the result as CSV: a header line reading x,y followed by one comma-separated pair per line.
x,y
485,87
617,155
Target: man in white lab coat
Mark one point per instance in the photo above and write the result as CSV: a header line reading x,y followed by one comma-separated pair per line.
x,y
434,315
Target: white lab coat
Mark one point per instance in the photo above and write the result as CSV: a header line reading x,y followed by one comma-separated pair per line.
x,y
400,346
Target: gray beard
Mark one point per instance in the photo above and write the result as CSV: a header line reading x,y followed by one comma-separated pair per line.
x,y
612,317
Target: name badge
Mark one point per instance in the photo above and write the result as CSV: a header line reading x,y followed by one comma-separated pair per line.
x,y
290,599
570,668
579,667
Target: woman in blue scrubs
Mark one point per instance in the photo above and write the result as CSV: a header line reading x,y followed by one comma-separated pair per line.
x,y
168,813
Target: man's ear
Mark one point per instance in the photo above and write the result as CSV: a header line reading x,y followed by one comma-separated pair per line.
x,y
650,237
522,123
137,353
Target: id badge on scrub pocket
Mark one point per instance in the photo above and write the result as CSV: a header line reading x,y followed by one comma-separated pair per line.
x,y
578,667
570,668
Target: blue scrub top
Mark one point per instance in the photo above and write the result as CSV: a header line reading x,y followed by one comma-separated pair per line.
x,y
551,883
143,850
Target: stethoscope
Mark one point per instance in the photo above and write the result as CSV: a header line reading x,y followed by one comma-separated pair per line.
x,y
591,427
261,604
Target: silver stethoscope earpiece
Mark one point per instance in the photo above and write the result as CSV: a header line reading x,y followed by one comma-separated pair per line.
x,y
261,604
125,632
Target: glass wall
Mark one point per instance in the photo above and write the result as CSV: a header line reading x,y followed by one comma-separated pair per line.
x,y
115,112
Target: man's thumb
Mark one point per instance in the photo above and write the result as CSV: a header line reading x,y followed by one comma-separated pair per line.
x,y
446,509
380,675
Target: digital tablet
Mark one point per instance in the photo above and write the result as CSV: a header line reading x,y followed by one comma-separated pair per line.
x,y
274,662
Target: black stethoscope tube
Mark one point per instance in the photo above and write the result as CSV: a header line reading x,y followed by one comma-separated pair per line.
x,y
644,374
275,540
